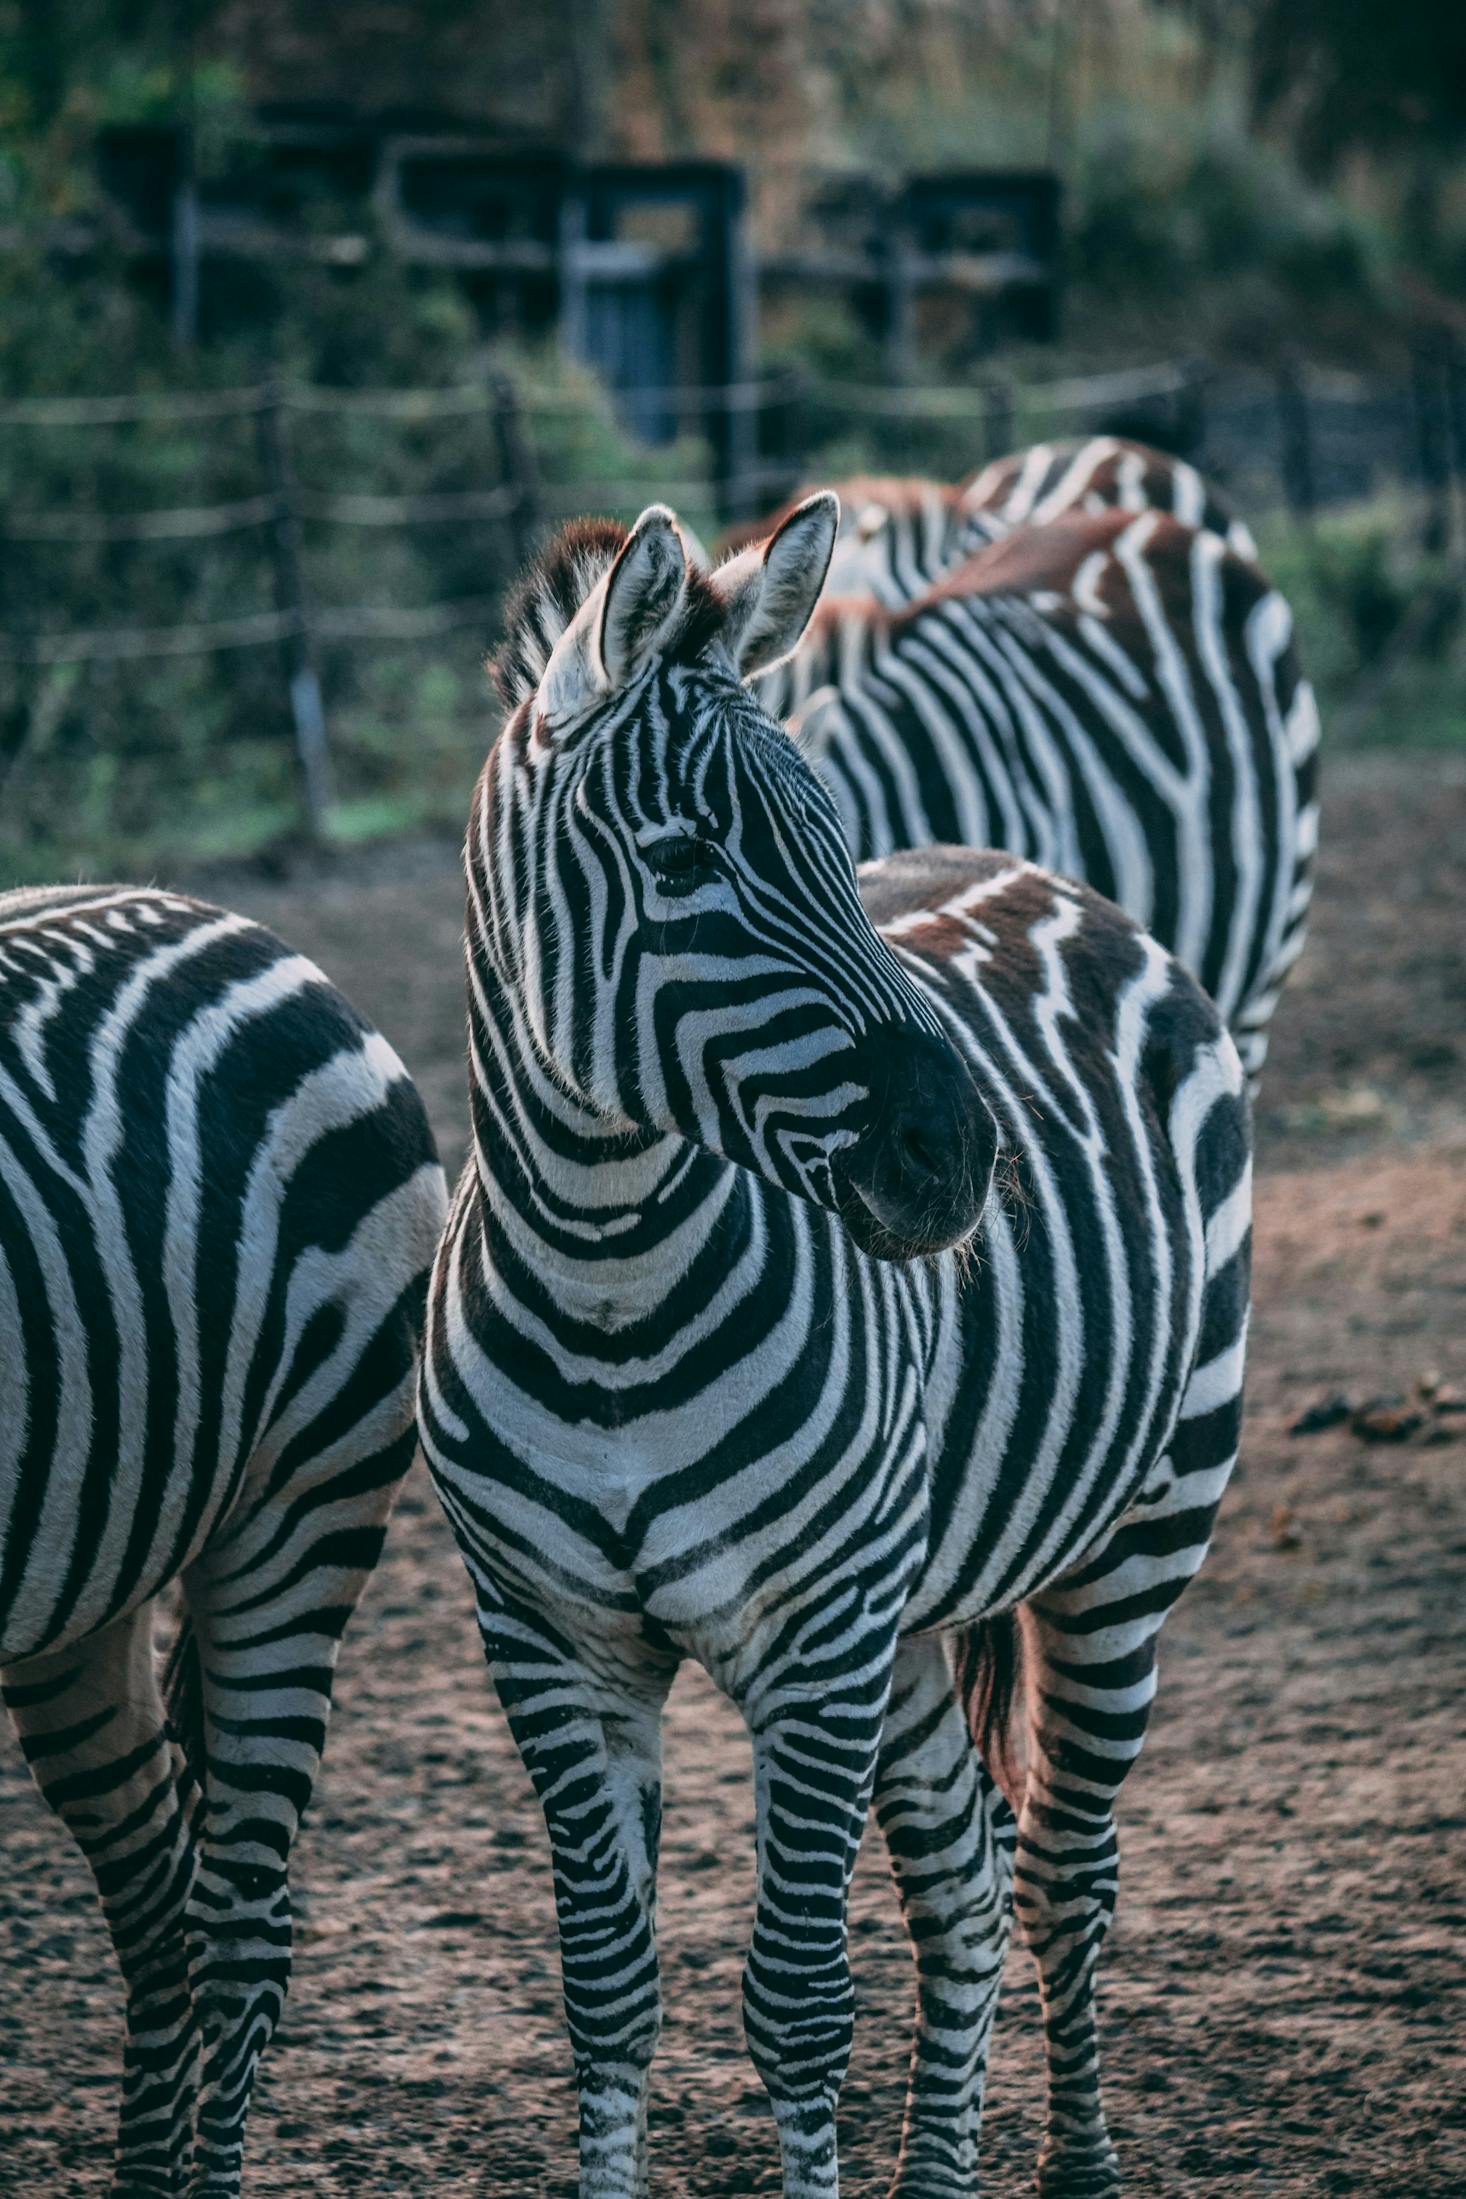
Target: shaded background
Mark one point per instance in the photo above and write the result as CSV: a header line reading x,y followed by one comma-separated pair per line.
x,y
312,320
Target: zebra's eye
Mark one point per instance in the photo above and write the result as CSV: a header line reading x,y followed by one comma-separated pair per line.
x,y
681,863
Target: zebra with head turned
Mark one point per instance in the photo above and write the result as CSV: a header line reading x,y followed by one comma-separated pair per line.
x,y
899,534
1116,697
734,1354
219,1199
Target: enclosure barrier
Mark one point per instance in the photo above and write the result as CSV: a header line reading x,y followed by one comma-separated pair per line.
x,y
521,504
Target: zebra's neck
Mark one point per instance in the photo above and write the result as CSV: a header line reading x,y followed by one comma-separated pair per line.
x,y
600,1213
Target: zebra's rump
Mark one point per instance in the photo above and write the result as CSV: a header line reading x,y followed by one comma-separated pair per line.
x,y
218,1194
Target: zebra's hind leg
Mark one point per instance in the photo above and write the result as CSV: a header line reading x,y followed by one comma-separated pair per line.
x,y
1090,1658
268,1603
950,1834
93,1728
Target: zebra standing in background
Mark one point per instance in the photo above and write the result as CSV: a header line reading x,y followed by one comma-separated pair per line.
x,y
732,1355
1116,697
219,1199
899,534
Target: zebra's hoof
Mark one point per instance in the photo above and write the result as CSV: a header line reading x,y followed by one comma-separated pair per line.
x,y
1093,2174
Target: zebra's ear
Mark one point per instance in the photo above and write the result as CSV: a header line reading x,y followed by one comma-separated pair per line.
x,y
771,589
623,620
646,589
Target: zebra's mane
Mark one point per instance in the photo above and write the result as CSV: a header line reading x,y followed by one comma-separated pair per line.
x,y
555,586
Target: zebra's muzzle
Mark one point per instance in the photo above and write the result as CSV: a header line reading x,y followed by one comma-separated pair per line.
x,y
917,1179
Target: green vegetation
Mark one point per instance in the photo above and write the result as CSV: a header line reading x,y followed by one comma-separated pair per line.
x,y
1380,624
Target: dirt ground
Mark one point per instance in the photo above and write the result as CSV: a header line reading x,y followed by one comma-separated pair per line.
x,y
1285,1990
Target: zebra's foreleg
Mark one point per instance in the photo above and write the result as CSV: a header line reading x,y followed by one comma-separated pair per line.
x,y
589,1727
92,1725
950,1834
814,1753
1090,1657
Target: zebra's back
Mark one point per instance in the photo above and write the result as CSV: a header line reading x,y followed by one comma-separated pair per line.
x,y
1117,698
1048,481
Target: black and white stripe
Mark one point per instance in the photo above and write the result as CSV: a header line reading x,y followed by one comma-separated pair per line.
x,y
841,1280
1115,697
899,534
218,1202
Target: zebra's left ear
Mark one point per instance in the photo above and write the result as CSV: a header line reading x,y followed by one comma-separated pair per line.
x,y
771,589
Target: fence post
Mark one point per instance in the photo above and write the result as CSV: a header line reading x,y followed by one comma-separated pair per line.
x,y
1191,411
997,406
519,468
1429,392
15,713
1455,374
307,710
1295,428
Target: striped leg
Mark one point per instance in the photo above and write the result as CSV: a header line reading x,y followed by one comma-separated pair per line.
x,y
1090,1651
950,1834
592,1744
92,1725
268,1606
814,1755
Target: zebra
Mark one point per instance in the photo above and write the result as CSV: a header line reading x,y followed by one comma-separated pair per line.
x,y
899,534
1114,695
219,1200
848,1282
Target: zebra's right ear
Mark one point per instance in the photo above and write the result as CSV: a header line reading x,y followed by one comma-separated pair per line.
x,y
622,622
771,589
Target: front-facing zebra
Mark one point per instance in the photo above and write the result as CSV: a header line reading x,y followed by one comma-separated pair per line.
x,y
218,1202
736,1353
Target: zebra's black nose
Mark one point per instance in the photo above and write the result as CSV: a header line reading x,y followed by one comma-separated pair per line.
x,y
917,1179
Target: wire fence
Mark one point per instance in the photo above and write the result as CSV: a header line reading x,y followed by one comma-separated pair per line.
x,y
1305,440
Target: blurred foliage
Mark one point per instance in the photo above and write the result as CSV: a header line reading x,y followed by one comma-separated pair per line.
x,y
1379,623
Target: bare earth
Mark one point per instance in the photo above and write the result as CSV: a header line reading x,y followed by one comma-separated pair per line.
x,y
1285,1992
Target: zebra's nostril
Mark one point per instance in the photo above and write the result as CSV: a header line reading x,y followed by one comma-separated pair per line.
x,y
920,1151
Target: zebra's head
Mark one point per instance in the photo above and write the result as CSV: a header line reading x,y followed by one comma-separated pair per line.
x,y
661,895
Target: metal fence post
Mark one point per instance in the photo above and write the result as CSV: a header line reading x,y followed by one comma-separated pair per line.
x,y
307,709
